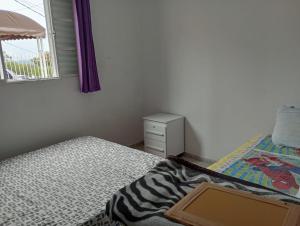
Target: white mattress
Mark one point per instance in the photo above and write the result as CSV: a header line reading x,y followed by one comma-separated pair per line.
x,y
68,183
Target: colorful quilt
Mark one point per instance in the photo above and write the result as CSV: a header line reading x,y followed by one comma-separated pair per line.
x,y
261,162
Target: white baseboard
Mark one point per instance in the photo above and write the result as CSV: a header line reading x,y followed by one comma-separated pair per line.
x,y
198,158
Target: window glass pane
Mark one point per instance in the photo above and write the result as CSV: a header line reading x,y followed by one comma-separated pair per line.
x,y
28,59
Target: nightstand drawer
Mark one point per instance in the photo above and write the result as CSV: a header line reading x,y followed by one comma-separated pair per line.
x,y
155,128
153,135
155,145
155,152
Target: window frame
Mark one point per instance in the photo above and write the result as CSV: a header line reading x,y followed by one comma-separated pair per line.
x,y
2,64
52,49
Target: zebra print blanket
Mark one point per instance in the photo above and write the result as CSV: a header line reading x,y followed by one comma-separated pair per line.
x,y
144,202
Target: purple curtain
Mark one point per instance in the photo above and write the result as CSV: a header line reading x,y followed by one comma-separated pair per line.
x,y
88,73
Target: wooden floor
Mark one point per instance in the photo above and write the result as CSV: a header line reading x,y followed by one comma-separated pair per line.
x,y
187,157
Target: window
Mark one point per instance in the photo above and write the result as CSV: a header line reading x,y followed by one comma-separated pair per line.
x,y
40,44
27,41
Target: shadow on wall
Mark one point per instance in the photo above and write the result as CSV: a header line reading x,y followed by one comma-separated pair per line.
x,y
193,144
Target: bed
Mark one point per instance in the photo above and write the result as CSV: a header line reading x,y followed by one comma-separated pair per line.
x,y
68,183
145,201
90,181
261,162
258,167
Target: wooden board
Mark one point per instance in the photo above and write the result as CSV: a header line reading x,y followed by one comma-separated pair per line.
x,y
211,205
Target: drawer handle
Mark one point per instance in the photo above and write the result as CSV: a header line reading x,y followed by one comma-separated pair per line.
x,y
155,133
155,148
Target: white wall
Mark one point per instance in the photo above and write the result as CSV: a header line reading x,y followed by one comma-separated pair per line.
x,y
37,114
225,65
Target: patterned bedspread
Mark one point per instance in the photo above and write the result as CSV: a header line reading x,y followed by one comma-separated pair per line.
x,y
68,183
144,202
261,162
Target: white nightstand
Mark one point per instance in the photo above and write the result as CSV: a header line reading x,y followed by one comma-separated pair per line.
x,y
164,134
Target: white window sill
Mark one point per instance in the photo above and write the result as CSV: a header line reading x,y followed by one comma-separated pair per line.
x,y
10,81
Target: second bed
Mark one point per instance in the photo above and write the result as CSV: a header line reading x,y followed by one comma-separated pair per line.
x,y
261,162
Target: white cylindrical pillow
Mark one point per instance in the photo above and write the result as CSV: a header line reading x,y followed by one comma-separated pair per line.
x,y
287,128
